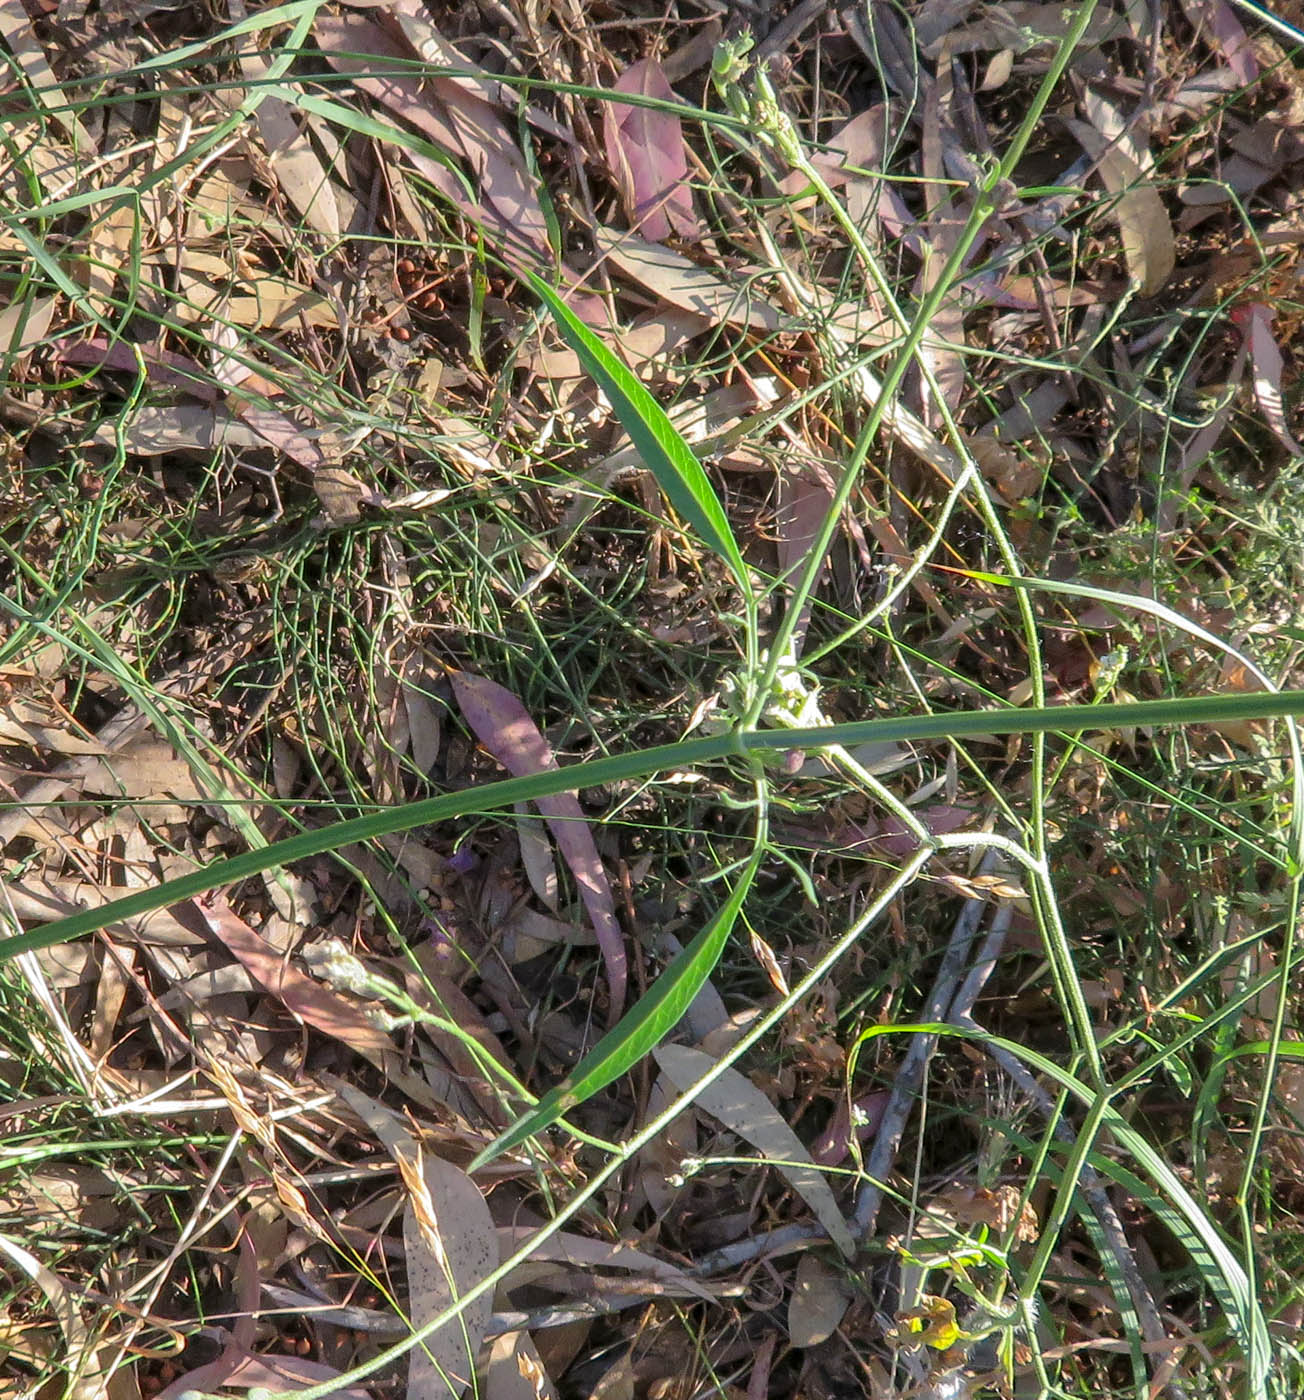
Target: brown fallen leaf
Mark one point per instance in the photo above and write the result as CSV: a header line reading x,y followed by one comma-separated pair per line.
x,y
512,1369
820,1298
310,1001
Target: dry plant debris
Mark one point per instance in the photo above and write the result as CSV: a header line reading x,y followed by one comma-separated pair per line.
x,y
306,512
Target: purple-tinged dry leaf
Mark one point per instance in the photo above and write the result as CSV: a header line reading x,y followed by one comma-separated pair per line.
x,y
833,1145
450,114
312,1002
645,148
1023,27
504,182
1215,22
500,722
1255,324
161,366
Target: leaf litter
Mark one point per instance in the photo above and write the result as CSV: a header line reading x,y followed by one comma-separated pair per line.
x,y
343,385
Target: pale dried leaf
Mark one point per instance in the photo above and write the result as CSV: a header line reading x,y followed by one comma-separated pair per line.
x,y
681,282
697,420
1144,227
536,856
465,1254
819,1300
24,324
425,727
42,899
585,1254
79,1359
268,303
965,1206
190,427
660,1160
647,342
414,20
147,767
941,348
108,244
30,724
290,153
110,996
745,1110
41,82
513,1370
1255,322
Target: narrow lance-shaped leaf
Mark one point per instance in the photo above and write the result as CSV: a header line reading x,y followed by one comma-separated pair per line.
x,y
668,457
650,1019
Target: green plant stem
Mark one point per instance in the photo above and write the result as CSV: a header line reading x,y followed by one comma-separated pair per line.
x,y
643,763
